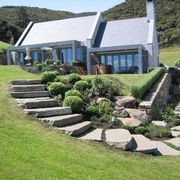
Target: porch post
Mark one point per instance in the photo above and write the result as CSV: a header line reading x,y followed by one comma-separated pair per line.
x,y
88,61
8,53
74,51
42,55
140,60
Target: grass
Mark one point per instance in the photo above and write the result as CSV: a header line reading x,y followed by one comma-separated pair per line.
x,y
169,55
31,150
3,45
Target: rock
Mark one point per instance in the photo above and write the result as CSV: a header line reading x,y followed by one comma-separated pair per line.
x,y
119,138
130,122
120,111
94,135
174,142
165,150
176,128
143,145
125,101
101,100
160,123
138,114
175,133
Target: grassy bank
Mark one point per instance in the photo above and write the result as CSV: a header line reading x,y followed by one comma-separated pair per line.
x,y
169,55
3,45
30,150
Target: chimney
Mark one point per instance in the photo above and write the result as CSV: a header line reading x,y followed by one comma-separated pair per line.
x,y
150,9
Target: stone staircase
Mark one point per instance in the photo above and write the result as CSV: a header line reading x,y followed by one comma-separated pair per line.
x,y
32,96
35,100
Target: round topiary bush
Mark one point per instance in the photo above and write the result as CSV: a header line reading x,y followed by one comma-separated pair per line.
x,y
48,76
141,130
73,78
73,93
81,86
60,79
75,102
56,88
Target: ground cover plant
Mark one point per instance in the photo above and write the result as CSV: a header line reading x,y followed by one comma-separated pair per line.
x,y
30,150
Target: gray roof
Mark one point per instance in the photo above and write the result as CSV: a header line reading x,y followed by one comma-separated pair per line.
x,y
61,30
123,32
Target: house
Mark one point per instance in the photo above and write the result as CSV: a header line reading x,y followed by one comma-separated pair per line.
x,y
123,45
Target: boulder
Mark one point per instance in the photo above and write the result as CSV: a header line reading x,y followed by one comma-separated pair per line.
x,y
160,123
130,122
119,138
102,99
125,101
138,114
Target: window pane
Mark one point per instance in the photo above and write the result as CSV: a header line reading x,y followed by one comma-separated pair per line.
x,y
69,55
78,54
116,63
122,61
129,60
136,60
109,60
103,60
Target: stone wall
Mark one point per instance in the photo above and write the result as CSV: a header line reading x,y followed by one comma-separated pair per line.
x,y
157,97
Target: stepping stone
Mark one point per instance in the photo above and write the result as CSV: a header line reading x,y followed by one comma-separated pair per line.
x,y
94,135
26,88
175,133
64,120
119,138
77,129
30,94
143,144
164,149
177,113
138,114
159,123
25,82
176,128
174,141
130,122
35,103
47,112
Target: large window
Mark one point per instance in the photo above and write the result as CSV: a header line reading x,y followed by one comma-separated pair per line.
x,y
66,55
116,63
78,54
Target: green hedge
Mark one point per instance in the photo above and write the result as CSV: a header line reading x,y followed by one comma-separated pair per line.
x,y
140,90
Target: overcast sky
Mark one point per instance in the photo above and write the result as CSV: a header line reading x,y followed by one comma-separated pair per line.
x,y
66,5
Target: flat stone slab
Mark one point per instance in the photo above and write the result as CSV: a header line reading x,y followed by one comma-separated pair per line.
x,y
119,138
77,129
130,122
26,88
165,150
175,133
125,101
176,128
138,114
62,120
47,112
30,94
159,123
143,144
25,82
94,135
174,141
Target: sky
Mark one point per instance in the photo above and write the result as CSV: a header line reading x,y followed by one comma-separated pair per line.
x,y
75,6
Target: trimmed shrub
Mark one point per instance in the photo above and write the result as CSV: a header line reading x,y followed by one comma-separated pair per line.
x,y
73,78
140,90
49,62
56,88
166,133
75,102
60,79
73,93
129,128
141,130
81,86
92,110
48,76
177,63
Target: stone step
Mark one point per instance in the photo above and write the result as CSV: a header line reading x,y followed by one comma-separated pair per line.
x,y
165,150
37,103
47,112
174,142
30,94
176,128
25,82
143,145
94,135
76,129
119,138
26,88
60,121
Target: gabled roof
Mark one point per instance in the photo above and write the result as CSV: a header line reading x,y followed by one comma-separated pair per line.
x,y
61,30
123,32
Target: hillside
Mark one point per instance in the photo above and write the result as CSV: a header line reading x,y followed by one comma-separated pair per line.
x,y
167,14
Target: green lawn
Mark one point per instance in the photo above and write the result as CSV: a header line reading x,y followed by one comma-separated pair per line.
x,y
31,150
169,55
3,45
